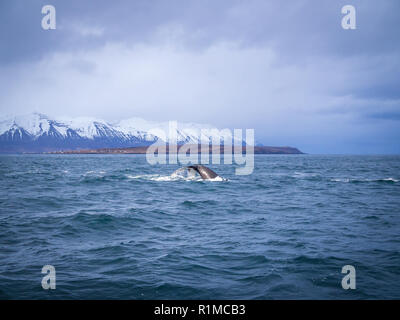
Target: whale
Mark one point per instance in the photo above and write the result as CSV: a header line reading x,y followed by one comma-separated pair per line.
x,y
204,172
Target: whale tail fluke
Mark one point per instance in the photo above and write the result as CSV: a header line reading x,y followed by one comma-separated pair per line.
x,y
204,172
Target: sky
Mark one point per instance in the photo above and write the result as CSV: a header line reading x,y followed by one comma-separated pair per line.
x,y
286,69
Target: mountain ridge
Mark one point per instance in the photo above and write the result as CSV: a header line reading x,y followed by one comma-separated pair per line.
x,y
37,132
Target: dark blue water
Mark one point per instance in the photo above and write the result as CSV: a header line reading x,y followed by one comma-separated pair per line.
x,y
115,227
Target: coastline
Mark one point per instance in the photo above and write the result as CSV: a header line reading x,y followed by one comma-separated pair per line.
x,y
166,149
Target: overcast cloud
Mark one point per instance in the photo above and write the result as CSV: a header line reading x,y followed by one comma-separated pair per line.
x,y
285,68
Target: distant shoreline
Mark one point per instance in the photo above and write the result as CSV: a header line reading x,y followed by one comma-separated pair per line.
x,y
166,150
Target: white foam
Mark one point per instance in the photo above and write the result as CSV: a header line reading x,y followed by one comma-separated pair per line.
x,y
340,180
94,173
173,177
362,180
298,174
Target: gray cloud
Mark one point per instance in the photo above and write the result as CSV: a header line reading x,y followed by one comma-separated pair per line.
x,y
285,68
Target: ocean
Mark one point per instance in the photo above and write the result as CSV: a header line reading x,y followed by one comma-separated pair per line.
x,y
115,227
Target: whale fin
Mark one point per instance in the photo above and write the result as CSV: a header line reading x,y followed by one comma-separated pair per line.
x,y
204,172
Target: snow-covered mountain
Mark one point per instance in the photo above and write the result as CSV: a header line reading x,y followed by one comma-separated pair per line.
x,y
37,132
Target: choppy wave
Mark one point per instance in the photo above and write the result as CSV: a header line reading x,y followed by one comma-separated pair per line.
x,y
298,174
114,228
355,180
316,176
